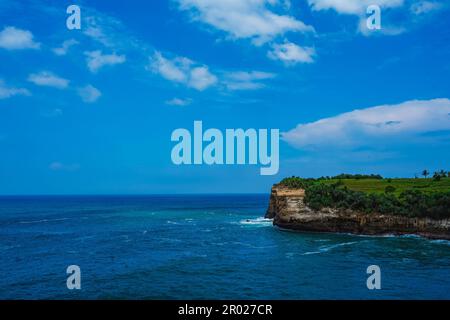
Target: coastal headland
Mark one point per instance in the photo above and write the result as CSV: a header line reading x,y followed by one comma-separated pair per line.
x,y
296,208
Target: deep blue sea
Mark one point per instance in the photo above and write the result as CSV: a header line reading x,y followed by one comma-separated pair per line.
x,y
199,247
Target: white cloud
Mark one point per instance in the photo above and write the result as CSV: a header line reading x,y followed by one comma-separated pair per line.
x,y
94,30
89,94
12,38
387,30
96,60
182,70
200,78
174,70
253,19
110,31
66,45
290,53
357,7
246,80
193,75
48,79
179,102
365,126
423,7
8,92
58,166
106,30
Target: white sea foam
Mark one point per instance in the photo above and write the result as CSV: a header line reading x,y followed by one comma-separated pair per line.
x,y
43,221
324,249
311,252
411,236
260,221
445,242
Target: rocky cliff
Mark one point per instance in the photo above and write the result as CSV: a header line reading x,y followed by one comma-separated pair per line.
x,y
289,211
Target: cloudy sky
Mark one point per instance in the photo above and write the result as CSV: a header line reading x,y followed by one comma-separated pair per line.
x,y
91,111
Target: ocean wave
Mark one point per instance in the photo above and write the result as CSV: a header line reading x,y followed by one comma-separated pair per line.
x,y
324,249
444,242
43,221
260,221
311,252
411,236
169,240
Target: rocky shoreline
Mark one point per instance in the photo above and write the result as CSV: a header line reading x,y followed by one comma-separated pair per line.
x,y
289,211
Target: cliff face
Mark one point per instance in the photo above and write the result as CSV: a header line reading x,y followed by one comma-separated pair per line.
x,y
289,211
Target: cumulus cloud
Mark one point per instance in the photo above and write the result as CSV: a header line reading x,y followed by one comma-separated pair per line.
x,y
89,94
48,79
253,19
357,7
96,60
290,53
243,80
66,45
174,70
365,126
182,70
201,78
12,38
8,92
179,102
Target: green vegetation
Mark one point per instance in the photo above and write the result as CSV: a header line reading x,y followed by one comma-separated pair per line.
x,y
373,194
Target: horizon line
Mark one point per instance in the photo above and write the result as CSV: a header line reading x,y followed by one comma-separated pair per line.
x,y
130,194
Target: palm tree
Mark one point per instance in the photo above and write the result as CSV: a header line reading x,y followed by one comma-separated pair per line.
x,y
437,176
425,173
443,173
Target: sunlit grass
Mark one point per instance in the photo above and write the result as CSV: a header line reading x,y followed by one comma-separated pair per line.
x,y
400,185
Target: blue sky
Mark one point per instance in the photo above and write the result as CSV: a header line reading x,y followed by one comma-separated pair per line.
x,y
91,111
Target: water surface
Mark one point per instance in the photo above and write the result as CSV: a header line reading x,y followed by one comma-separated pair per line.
x,y
199,247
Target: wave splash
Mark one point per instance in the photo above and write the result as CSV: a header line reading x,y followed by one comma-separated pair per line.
x,y
260,221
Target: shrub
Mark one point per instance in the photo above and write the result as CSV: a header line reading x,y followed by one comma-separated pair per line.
x,y
358,176
389,189
411,203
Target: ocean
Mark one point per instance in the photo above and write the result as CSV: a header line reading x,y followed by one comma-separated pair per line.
x,y
199,247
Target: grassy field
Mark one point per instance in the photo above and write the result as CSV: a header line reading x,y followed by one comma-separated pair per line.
x,y
400,185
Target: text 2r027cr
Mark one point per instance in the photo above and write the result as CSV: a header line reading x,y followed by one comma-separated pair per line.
x,y
245,309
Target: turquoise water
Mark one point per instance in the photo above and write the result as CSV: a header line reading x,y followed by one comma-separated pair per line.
x,y
199,247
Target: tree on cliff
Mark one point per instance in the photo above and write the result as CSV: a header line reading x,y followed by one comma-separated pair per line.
x,y
425,173
437,176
